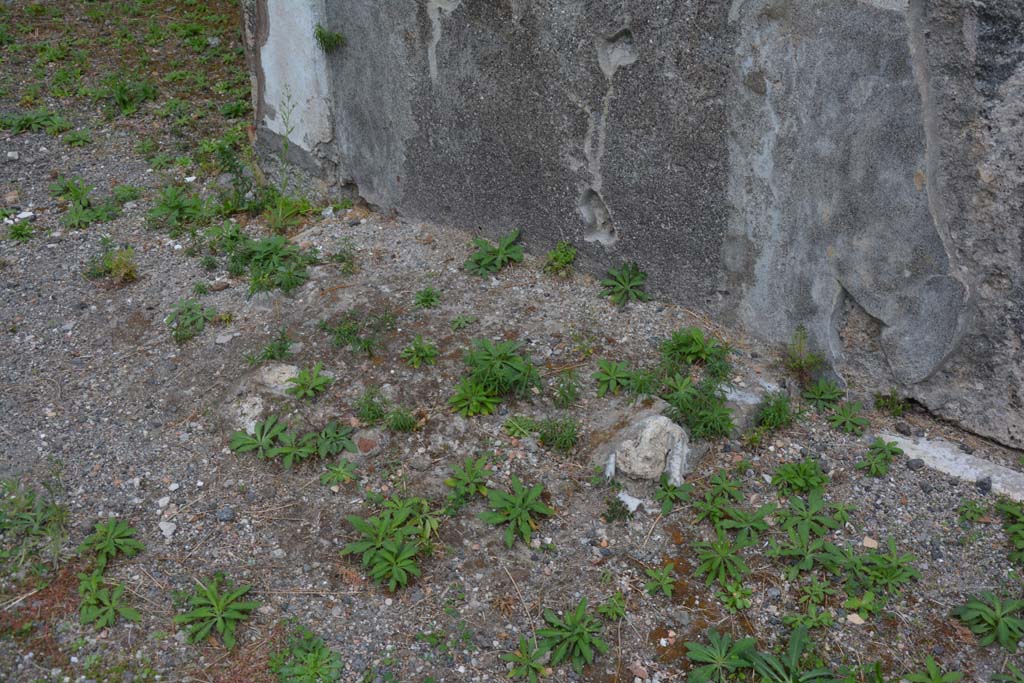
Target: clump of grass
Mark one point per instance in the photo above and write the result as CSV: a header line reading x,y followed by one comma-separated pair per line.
x,y
559,433
328,41
188,319
891,403
22,231
560,260
566,389
116,263
371,407
799,359
428,297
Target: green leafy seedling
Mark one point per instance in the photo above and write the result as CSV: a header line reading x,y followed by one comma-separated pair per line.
x,y
574,637
560,259
309,382
341,472
327,40
461,322
520,426
390,525
500,368
614,608
262,439
660,580
216,606
993,620
292,448
395,563
670,495
306,659
735,597
278,349
401,420
469,480
104,606
788,668
473,398
428,297
516,510
720,658
188,319
720,560
21,231
611,377
489,259
686,346
879,456
933,674
799,477
527,661
625,284
419,352
847,418
823,394
109,539
335,438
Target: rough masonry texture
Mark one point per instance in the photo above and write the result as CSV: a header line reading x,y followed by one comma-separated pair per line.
x,y
852,166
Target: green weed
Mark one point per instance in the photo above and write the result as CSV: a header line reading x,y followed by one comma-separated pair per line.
x,y
516,510
993,620
847,418
661,580
560,260
328,41
823,394
216,606
277,349
574,637
625,284
309,382
489,259
428,297
188,319
419,352
109,539
879,457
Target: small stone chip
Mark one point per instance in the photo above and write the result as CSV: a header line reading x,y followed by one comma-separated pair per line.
x,y
869,542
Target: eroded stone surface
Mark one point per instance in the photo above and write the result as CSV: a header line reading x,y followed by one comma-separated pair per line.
x,y
851,166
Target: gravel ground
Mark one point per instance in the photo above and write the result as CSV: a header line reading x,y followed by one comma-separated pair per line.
x,y
101,406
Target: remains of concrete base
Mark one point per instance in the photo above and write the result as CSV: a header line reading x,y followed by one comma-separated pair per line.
x,y
949,459
851,166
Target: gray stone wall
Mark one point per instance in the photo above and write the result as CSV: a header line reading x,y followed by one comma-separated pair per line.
x,y
852,166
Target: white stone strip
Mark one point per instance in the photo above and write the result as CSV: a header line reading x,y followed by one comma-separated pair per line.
x,y
949,459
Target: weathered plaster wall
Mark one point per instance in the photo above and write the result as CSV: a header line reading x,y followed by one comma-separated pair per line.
x,y
854,166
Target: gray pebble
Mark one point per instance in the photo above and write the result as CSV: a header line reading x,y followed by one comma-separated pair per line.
x,y
226,514
915,464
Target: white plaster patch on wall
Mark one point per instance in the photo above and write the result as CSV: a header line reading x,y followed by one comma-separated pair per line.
x,y
949,459
895,5
296,74
436,9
